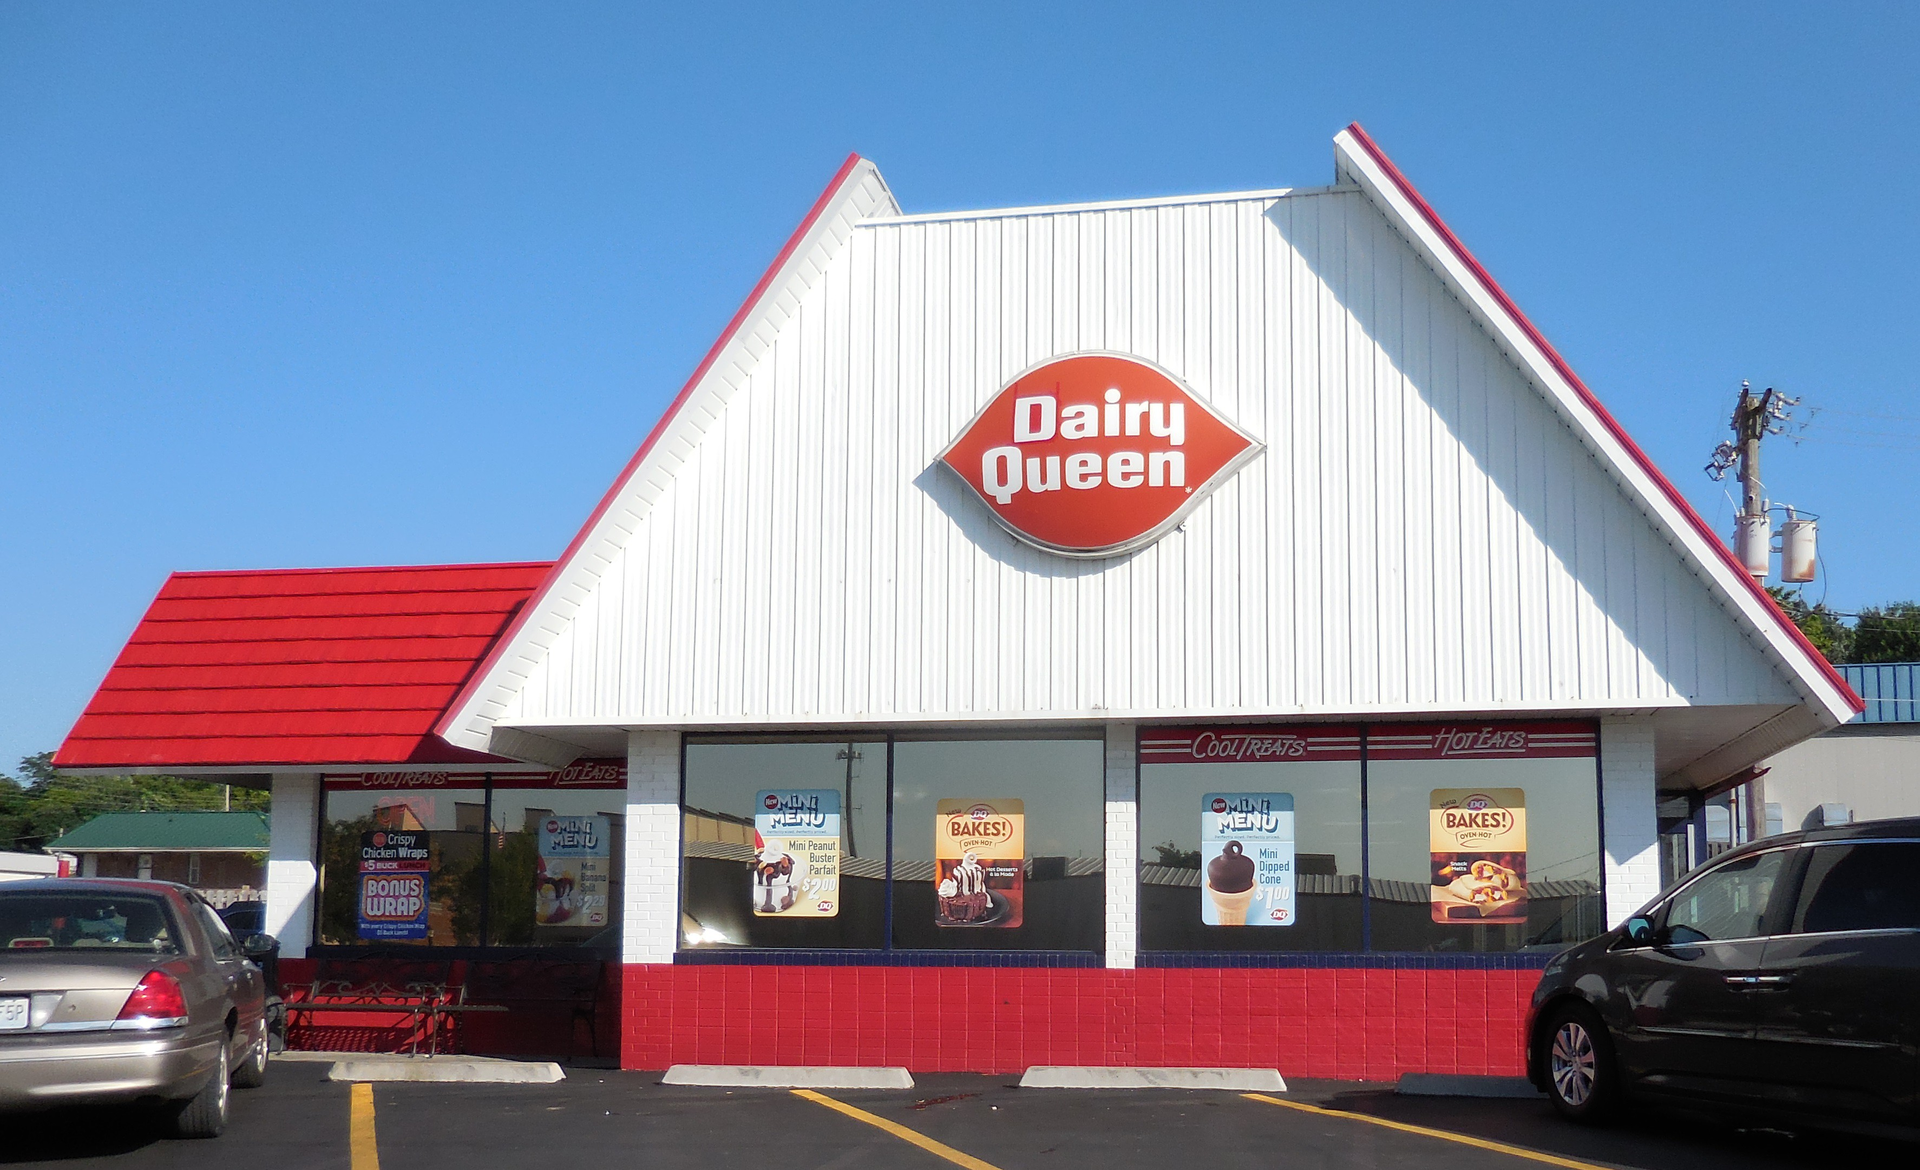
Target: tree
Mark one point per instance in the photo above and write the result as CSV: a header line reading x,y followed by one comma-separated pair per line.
x,y
41,803
1887,633
1829,635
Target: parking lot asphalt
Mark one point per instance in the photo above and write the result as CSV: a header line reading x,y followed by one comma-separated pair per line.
x,y
300,1120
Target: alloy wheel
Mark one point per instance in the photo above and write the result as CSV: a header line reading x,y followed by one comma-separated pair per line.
x,y
1572,1063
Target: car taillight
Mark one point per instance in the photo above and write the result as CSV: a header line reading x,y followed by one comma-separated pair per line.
x,y
156,999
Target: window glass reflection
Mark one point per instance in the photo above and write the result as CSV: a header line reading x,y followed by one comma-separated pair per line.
x,y
1326,845
743,887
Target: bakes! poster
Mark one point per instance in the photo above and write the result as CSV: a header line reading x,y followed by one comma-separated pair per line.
x,y
1479,864
979,862
796,842
570,887
1246,859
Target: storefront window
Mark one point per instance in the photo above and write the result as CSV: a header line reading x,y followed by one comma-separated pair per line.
x,y
1483,837
995,844
784,844
424,840
1250,839
434,859
999,845
557,863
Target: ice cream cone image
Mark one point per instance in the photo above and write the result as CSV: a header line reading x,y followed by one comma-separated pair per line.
x,y
1230,885
1231,909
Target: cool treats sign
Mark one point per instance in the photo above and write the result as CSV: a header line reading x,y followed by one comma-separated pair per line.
x,y
1096,454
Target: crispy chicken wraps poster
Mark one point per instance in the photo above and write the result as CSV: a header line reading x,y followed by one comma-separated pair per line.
x,y
1479,864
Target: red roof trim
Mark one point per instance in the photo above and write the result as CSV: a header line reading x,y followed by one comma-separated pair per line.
x,y
1606,418
673,408
358,569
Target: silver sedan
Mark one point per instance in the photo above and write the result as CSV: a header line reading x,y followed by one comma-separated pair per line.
x,y
126,991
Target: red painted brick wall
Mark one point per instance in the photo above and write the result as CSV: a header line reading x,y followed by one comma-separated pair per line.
x,y
1359,1024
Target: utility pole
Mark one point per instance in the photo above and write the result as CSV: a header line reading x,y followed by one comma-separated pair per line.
x,y
1755,416
849,754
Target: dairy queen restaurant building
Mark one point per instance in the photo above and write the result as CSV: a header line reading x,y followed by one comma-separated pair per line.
x,y
1213,630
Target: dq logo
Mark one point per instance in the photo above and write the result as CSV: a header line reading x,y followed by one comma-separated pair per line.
x,y
1096,455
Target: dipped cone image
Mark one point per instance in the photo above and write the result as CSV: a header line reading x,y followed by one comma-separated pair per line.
x,y
1230,909
1230,885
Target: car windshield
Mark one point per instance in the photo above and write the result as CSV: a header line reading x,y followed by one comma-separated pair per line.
x,y
72,920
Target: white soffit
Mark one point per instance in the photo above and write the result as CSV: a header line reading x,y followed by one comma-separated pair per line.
x,y
1359,160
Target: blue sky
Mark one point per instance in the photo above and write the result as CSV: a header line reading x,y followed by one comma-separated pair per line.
x,y
364,284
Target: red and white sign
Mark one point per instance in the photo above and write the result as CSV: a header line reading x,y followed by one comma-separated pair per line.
x,y
1467,740
1247,745
1095,455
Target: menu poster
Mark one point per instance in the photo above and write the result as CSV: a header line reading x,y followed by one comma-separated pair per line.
x,y
796,843
570,885
1246,848
979,863
393,885
1479,865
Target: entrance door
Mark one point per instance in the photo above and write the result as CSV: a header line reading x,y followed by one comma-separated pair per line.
x,y
1839,996
1691,1010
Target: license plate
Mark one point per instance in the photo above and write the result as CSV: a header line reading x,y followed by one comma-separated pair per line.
x,y
13,1013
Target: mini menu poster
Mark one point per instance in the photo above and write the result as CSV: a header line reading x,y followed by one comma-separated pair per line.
x,y
570,885
796,842
1246,852
1479,865
979,862
393,884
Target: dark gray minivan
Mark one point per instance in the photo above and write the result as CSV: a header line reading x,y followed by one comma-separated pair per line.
x,y
1783,976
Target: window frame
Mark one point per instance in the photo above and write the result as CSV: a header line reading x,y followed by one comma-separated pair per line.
x,y
1094,733
1368,731
1803,864
484,948
1780,903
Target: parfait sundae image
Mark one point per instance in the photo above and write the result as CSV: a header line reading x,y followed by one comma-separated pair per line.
x,y
1230,885
552,895
963,894
773,891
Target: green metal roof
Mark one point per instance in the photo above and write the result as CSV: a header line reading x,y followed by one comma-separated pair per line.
x,y
165,832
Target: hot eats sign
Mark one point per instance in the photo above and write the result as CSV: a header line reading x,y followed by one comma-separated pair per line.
x,y
1095,454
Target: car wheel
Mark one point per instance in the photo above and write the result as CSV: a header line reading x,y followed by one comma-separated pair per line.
x,y
1577,1054
205,1116
252,1070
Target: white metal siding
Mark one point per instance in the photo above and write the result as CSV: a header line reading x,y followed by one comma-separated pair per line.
x,y
1422,532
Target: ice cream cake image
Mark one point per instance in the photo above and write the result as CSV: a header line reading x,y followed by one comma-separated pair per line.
x,y
963,894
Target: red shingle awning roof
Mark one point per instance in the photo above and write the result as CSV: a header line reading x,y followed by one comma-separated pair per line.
x,y
300,667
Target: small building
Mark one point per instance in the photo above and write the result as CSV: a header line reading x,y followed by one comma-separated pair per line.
x,y
221,854
1202,630
1865,769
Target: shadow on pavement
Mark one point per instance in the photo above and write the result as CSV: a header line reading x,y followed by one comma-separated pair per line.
x,y
79,1131
1644,1139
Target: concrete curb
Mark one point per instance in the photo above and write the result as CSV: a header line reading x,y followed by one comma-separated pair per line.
x,y
790,1076
1452,1085
1062,1076
476,1070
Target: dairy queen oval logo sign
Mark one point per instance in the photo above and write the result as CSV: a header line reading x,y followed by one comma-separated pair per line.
x,y
1096,455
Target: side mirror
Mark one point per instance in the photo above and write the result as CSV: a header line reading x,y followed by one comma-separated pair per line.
x,y
1639,930
259,946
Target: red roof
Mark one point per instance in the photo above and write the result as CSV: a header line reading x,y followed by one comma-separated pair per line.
x,y
298,667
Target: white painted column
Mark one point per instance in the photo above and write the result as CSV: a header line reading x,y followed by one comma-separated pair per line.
x,y
1123,846
650,931
1630,826
292,837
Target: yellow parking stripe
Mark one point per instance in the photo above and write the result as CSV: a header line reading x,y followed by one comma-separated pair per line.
x,y
366,1153
900,1131
1443,1135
